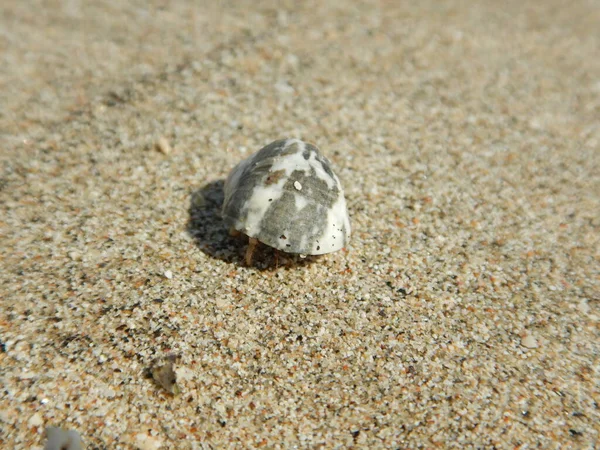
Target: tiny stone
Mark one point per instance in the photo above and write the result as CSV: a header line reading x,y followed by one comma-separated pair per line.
x,y
529,341
75,256
109,393
36,420
297,185
146,442
7,416
163,145
169,274
284,87
27,375
584,307
163,372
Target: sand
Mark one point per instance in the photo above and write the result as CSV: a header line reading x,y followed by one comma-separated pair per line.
x,y
465,312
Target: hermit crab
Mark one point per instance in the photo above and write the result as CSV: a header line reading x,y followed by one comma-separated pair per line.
x,y
287,197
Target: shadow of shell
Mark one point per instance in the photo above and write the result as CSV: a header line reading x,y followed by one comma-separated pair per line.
x,y
212,237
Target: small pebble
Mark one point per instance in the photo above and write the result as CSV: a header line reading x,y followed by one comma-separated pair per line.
x,y
163,145
109,393
169,274
297,185
145,442
75,256
163,372
36,420
7,416
529,341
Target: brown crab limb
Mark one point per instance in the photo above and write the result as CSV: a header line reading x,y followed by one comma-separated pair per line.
x,y
250,250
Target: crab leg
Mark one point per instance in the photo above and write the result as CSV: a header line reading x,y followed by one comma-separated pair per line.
x,y
250,250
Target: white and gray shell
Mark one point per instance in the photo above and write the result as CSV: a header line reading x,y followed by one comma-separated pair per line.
x,y
287,197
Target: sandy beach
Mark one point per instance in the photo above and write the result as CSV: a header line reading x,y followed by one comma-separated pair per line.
x,y
465,313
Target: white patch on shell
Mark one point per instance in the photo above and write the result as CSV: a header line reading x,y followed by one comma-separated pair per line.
x,y
300,201
258,204
263,195
292,161
296,161
333,237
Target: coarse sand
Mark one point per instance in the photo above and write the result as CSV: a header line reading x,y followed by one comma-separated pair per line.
x,y
463,314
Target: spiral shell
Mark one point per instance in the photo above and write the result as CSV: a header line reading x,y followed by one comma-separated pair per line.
x,y
287,196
